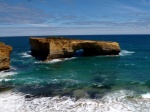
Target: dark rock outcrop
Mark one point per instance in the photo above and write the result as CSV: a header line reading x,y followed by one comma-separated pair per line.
x,y
5,51
52,48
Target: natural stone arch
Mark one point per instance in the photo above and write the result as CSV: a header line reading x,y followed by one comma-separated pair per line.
x,y
63,48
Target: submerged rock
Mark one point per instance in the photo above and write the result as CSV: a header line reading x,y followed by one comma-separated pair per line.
x,y
5,88
52,48
5,51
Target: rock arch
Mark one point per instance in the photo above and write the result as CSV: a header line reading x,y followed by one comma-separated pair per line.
x,y
52,48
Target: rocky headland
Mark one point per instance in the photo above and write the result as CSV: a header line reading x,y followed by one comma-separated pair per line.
x,y
5,51
58,47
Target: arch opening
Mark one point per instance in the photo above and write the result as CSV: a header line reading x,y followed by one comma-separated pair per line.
x,y
79,53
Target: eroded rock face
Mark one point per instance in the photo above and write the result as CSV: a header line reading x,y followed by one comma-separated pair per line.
x,y
5,51
52,48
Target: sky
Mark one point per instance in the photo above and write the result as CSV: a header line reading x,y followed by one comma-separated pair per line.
x,y
74,17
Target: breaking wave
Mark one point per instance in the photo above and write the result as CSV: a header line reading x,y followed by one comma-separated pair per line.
x,y
26,54
6,74
56,60
119,101
126,53
147,95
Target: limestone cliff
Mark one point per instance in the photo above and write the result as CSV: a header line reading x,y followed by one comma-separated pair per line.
x,y
52,48
4,56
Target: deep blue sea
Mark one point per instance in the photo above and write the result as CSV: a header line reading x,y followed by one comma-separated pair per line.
x,y
78,84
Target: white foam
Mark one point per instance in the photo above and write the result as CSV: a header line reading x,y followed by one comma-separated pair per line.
x,y
26,54
55,60
58,60
70,58
125,53
147,95
52,61
131,64
5,80
6,74
119,101
70,81
13,68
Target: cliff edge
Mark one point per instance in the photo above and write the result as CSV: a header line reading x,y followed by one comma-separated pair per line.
x,y
56,47
5,51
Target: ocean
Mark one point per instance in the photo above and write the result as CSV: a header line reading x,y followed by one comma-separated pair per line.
x,y
78,84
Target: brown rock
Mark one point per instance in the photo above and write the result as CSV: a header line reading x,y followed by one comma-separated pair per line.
x,y
4,56
52,48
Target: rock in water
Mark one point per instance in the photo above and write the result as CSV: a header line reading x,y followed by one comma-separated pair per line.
x,y
57,47
5,51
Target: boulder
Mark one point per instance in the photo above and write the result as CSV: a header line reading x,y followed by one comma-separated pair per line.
x,y
58,47
5,51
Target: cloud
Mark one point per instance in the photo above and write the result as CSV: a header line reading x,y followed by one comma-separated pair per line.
x,y
143,22
53,17
68,31
132,7
145,2
21,14
25,16
68,17
129,8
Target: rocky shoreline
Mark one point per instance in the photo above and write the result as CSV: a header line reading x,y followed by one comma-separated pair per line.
x,y
5,51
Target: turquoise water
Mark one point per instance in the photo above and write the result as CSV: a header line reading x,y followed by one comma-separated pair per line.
x,y
80,77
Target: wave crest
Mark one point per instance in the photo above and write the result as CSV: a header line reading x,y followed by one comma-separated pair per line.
x,y
6,74
147,95
26,54
56,60
119,101
126,53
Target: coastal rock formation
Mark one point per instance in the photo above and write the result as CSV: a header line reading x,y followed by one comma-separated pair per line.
x,y
57,47
5,51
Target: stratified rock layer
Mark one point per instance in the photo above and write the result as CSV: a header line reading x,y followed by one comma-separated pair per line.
x,y
52,48
5,51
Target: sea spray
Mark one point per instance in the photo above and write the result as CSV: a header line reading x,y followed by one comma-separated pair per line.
x,y
117,101
126,53
55,60
26,54
7,73
147,95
